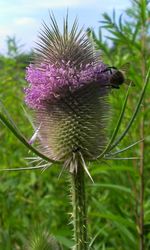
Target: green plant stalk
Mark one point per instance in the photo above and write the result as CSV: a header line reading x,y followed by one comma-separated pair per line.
x,y
79,209
142,132
141,219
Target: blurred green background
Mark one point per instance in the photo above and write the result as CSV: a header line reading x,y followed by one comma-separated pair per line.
x,y
31,199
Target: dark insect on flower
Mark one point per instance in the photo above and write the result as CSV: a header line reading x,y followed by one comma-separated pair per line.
x,y
117,76
68,91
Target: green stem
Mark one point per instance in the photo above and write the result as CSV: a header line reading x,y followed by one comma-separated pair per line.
x,y
79,209
143,5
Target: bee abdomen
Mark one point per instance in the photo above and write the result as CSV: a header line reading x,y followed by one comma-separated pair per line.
x,y
117,78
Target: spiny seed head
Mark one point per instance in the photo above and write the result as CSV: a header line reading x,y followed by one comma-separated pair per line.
x,y
68,88
43,241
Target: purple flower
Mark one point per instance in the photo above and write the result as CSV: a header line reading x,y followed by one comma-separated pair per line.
x,y
48,81
68,88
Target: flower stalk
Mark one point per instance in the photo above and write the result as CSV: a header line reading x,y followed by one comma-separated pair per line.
x,y
79,209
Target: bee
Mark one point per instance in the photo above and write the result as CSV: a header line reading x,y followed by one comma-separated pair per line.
x,y
117,77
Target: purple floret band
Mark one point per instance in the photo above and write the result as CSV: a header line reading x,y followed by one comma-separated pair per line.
x,y
46,81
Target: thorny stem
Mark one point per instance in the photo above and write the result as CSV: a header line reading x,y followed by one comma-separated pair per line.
x,y
79,209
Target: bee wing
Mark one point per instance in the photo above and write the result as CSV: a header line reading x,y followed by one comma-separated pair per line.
x,y
125,68
129,82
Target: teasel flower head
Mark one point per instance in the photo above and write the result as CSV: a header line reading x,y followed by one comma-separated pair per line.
x,y
68,91
41,240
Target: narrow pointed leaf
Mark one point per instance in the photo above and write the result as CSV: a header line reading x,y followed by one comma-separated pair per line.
x,y
125,149
135,112
117,127
21,138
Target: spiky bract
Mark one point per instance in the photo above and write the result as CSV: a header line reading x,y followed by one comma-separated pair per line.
x,y
76,122
43,241
56,47
68,91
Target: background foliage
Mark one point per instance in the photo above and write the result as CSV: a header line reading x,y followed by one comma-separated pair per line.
x,y
31,198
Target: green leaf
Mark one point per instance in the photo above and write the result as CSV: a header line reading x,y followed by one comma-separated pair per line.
x,y
21,138
134,113
117,218
109,146
113,186
125,149
64,241
99,169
